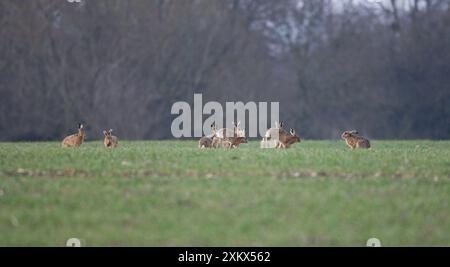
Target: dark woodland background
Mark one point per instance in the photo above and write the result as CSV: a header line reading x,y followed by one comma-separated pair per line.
x,y
382,68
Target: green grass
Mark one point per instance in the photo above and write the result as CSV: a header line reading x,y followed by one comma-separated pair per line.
x,y
169,193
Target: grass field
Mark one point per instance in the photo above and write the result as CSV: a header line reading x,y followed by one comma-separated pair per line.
x,y
169,193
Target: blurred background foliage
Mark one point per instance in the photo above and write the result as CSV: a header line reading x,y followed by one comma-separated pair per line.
x,y
382,68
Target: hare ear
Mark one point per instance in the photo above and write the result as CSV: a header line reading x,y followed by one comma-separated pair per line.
x,y
80,126
239,123
213,124
281,124
292,131
110,131
105,133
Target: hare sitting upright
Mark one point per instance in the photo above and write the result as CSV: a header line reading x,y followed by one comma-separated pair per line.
x,y
238,132
208,140
110,140
275,132
75,140
354,140
227,132
272,136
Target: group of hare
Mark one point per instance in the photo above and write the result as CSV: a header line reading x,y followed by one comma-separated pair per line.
x,y
75,140
225,137
280,138
228,138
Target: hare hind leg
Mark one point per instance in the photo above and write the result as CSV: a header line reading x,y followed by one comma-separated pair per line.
x,y
363,144
280,145
227,145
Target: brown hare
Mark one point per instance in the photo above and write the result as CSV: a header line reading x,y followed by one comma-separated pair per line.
x,y
205,142
224,132
271,137
237,131
208,141
233,142
275,132
75,140
227,132
110,140
354,140
221,136
286,140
